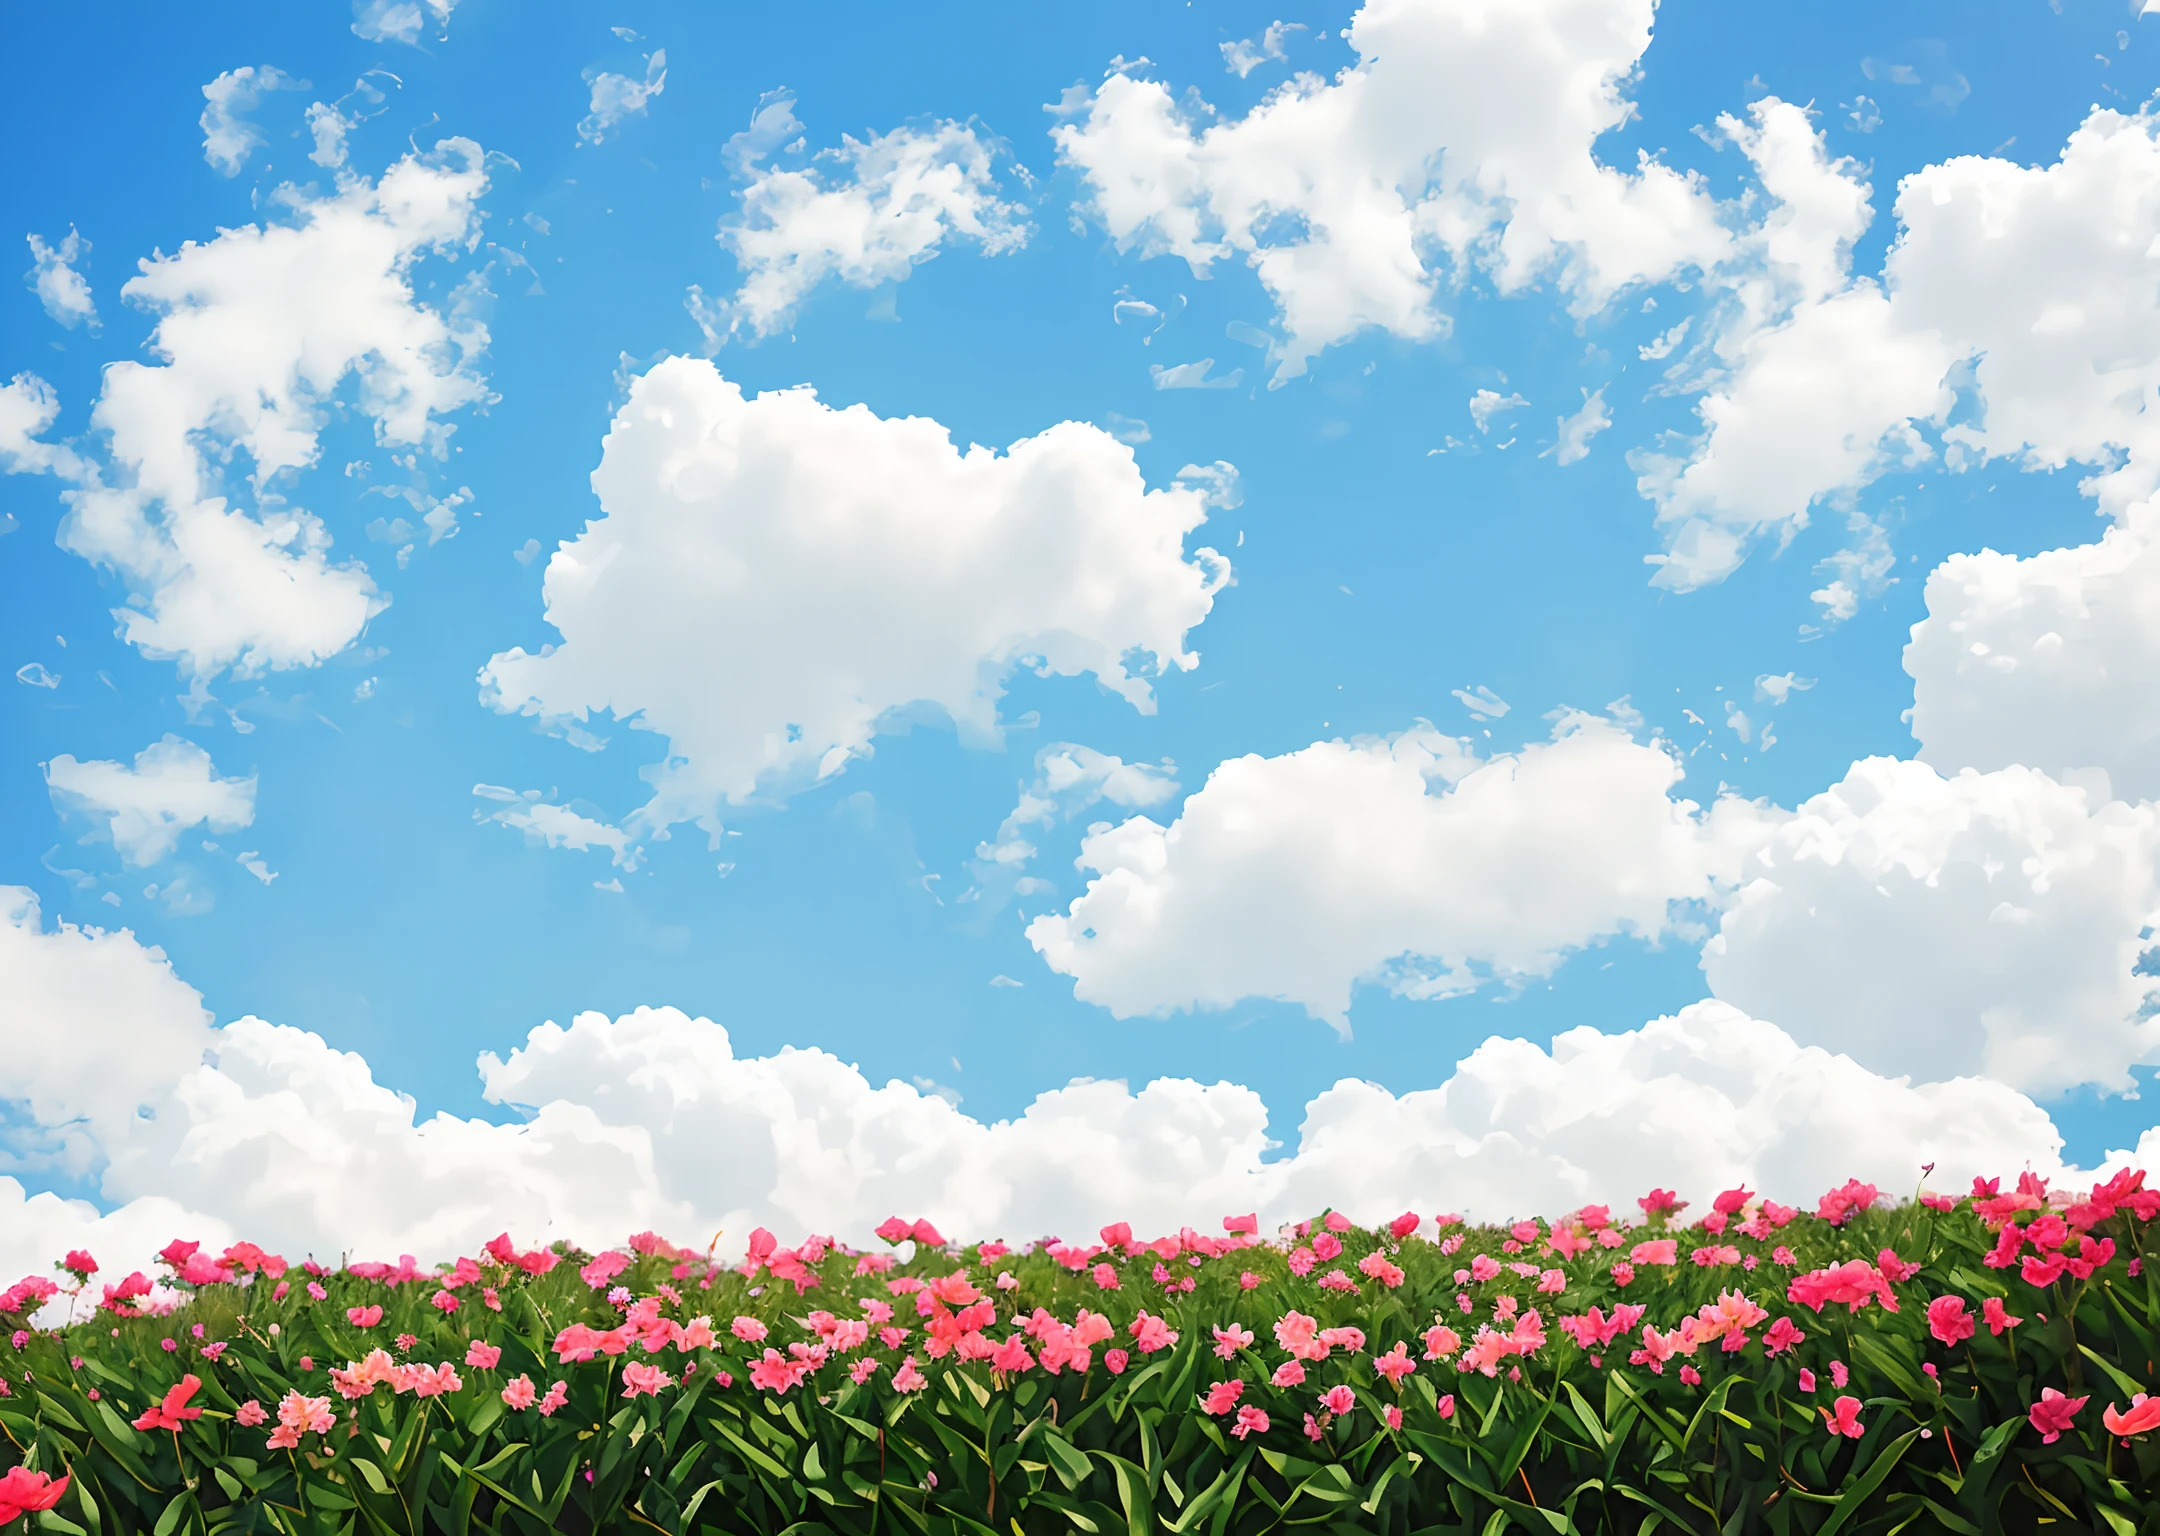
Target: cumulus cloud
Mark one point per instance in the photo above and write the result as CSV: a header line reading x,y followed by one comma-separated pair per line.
x,y
772,578
256,330
145,809
2046,661
1991,923
2027,286
228,137
1245,55
399,21
615,97
867,213
1406,860
651,1119
63,291
1352,198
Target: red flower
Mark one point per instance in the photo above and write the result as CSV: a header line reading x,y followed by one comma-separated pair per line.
x,y
1845,1419
24,1492
2051,1415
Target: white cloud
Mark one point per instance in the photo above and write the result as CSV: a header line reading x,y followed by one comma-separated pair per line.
x,y
1194,376
1462,137
1776,688
257,328
228,137
2046,660
28,408
171,788
63,291
1483,703
615,97
1573,433
1070,779
1710,1096
398,21
1407,861
2027,285
1244,56
1981,923
555,826
262,1131
1488,403
819,569
885,205
331,123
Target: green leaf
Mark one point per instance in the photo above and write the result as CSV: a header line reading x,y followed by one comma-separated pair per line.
x,y
1859,1493
169,1521
2128,1387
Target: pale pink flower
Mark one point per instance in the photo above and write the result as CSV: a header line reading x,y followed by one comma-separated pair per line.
x,y
1228,1341
640,1379
1395,1364
1248,1281
1441,1341
518,1393
1290,1373
1393,1414
557,1395
1222,1397
1338,1400
481,1356
1250,1420
250,1413
748,1329
363,1317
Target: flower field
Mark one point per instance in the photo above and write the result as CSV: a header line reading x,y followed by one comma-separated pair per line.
x,y
1975,1363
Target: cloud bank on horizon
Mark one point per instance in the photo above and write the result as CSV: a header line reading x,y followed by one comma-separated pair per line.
x,y
872,499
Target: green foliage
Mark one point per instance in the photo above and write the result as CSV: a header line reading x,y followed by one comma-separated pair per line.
x,y
1558,1439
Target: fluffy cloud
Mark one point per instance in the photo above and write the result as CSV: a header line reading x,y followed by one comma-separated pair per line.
x,y
1406,860
256,330
1351,198
615,97
886,205
2030,284
773,576
1724,1097
1981,923
2046,661
228,137
63,291
651,1119
28,408
171,788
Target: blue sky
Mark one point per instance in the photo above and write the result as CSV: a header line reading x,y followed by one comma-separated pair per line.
x,y
1387,551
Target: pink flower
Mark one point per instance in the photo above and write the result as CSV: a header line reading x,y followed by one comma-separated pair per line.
x,y
1393,1414
1338,1400
559,1394
1895,1269
1690,1375
1552,1282
1659,1251
1807,1379
519,1393
1446,1405
1222,1397
1484,1267
1115,1360
862,1370
316,1292
363,1317
1313,1431
1249,1223
481,1356
1843,1417
1299,1335
1948,1320
1377,1266
1441,1341
1395,1364
1838,1374
1250,1420
2144,1415
2051,1415
1997,1316
250,1413
1290,1373
1660,1202
1151,1334
907,1378
1228,1341
1623,1273
1105,1277
748,1329
642,1380
1404,1225
1012,1356
1325,1246
1781,1336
